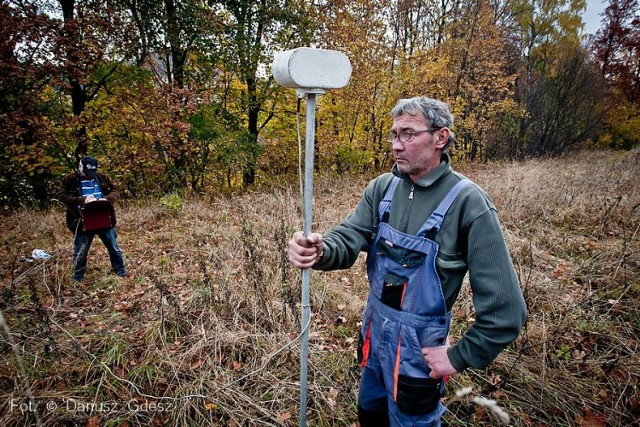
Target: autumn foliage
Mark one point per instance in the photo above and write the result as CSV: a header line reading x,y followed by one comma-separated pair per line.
x,y
177,94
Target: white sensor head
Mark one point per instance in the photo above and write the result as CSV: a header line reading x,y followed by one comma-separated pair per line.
x,y
310,70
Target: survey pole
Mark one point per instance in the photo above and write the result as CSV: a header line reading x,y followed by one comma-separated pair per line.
x,y
306,273
311,72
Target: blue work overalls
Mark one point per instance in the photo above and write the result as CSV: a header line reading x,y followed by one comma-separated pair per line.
x,y
405,312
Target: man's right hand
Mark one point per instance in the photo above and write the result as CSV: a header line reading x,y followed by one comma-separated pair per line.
x,y
90,198
304,252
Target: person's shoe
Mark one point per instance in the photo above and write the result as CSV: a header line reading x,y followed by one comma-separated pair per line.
x,y
125,274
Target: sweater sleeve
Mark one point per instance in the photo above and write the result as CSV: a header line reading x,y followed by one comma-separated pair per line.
x,y
500,309
343,244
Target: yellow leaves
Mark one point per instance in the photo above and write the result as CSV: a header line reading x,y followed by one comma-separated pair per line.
x,y
624,119
210,406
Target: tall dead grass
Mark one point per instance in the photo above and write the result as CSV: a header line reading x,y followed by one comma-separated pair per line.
x,y
572,226
206,331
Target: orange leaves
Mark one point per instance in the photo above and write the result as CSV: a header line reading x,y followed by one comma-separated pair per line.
x,y
591,419
126,306
210,406
560,270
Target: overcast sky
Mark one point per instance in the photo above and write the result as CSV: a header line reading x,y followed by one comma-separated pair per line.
x,y
592,16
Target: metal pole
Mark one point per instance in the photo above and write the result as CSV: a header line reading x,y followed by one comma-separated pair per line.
x,y
306,273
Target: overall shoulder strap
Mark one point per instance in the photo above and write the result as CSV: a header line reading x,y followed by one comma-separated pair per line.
x,y
434,221
385,204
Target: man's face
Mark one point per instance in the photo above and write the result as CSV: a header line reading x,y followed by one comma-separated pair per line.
x,y
420,154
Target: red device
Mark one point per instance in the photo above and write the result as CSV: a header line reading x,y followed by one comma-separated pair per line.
x,y
98,215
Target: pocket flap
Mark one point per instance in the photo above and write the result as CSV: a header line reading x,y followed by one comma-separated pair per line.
x,y
403,256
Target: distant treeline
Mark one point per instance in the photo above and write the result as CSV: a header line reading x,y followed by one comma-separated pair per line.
x,y
178,94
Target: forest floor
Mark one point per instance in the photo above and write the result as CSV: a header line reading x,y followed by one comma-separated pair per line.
x,y
206,329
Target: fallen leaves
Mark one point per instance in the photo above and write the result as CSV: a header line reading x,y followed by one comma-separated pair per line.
x,y
283,416
210,406
591,419
332,397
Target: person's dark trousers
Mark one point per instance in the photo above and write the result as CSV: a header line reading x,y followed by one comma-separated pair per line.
x,y
81,244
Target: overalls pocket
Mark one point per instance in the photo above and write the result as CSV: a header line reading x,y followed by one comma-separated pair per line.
x,y
417,396
416,393
433,337
393,288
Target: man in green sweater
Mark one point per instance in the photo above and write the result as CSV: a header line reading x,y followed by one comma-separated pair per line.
x,y
424,226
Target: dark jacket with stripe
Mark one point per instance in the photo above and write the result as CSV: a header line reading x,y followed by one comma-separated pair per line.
x,y
69,194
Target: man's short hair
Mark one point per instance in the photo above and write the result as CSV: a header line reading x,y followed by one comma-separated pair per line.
x,y
437,113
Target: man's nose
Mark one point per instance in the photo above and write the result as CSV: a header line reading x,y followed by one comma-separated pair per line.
x,y
396,145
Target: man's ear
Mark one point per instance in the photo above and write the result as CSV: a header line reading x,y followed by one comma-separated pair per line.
x,y
442,137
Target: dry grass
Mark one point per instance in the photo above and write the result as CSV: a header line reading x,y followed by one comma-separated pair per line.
x,y
205,333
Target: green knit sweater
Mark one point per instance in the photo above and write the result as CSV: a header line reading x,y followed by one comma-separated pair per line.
x,y
470,240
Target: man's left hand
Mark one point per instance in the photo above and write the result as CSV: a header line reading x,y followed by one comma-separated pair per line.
x,y
438,361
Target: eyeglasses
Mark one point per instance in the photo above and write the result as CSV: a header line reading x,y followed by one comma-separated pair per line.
x,y
407,135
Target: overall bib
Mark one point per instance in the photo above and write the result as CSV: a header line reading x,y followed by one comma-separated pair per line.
x,y
405,312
